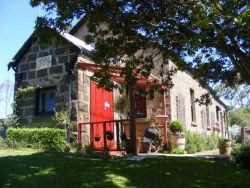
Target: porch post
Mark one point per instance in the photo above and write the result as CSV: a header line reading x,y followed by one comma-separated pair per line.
x,y
164,103
132,120
164,112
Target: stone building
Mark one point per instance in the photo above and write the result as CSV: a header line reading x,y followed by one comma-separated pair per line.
x,y
60,74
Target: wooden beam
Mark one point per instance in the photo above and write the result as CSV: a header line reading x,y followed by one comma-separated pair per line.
x,y
132,120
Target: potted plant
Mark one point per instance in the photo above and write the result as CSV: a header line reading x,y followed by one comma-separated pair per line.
x,y
177,134
97,138
123,136
110,135
122,105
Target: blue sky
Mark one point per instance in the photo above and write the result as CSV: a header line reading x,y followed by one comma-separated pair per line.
x,y
17,20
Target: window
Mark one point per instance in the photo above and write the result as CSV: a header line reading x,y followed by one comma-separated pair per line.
x,y
202,120
140,105
192,105
222,122
180,108
46,101
208,117
217,113
177,107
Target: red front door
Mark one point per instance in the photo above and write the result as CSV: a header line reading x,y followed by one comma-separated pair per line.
x,y
101,109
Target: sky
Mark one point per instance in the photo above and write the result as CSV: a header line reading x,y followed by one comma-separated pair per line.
x,y
17,21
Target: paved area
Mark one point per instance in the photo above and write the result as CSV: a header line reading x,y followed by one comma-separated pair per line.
x,y
143,156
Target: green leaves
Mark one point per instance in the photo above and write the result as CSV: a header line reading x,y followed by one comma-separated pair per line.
x,y
39,138
179,29
240,117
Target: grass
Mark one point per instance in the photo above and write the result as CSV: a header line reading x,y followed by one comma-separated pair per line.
x,y
58,170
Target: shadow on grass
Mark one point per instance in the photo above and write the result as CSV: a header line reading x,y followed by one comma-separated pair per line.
x,y
53,170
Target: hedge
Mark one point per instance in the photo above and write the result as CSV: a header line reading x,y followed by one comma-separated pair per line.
x,y
37,138
241,156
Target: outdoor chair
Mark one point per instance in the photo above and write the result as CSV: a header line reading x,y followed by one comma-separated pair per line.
x,y
153,139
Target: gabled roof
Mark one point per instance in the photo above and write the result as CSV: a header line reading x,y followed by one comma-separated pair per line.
x,y
78,25
81,45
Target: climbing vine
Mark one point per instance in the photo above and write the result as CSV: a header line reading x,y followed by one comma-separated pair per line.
x,y
20,92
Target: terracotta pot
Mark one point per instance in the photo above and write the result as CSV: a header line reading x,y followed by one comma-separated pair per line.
x,y
225,146
178,141
228,146
161,119
221,147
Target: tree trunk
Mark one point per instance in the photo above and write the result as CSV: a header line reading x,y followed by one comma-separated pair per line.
x,y
132,120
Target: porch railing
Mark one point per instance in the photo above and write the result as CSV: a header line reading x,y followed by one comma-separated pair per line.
x,y
118,129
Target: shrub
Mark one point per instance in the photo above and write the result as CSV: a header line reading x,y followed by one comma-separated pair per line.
x,y
89,150
178,151
3,143
62,119
37,138
197,142
241,156
176,127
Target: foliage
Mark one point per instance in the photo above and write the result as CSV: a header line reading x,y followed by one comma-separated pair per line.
x,y
122,104
4,124
41,138
197,142
62,119
240,117
20,92
178,151
3,144
241,156
213,33
176,127
40,122
89,150
237,96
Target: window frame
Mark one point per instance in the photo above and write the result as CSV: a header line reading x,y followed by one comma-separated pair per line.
x,y
38,91
140,101
192,106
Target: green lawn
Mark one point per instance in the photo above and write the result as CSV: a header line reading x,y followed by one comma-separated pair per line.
x,y
51,170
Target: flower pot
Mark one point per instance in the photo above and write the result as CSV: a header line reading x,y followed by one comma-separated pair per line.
x,y
97,138
228,146
161,119
225,146
221,147
178,141
110,135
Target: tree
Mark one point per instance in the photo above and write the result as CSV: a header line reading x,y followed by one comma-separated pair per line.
x,y
237,97
6,97
240,117
208,38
